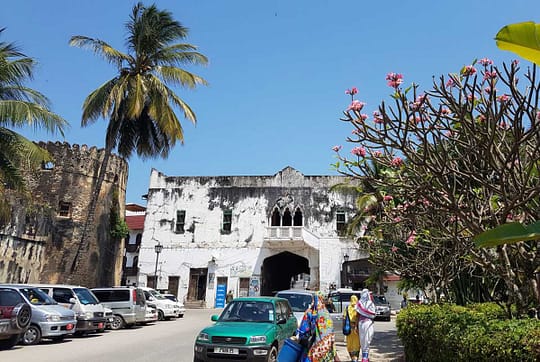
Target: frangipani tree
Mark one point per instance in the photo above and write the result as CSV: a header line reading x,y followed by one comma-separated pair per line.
x,y
464,158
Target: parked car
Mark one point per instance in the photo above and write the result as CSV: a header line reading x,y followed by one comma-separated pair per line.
x,y
127,303
167,309
151,313
179,305
382,307
249,328
89,311
299,299
109,317
49,319
15,316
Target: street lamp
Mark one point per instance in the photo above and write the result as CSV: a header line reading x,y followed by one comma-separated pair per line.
x,y
346,257
157,248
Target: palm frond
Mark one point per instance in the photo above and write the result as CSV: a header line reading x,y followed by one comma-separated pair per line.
x,y
19,113
179,76
101,48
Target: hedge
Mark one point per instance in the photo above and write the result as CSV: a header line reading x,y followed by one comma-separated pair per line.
x,y
446,332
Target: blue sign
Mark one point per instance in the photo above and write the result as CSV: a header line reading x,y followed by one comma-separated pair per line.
x,y
221,290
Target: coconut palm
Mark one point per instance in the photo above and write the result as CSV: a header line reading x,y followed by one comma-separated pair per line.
x,y
138,102
20,106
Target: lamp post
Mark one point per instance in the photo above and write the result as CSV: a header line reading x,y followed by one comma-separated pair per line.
x,y
345,274
157,248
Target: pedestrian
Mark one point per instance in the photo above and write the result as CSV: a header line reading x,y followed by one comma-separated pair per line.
x,y
404,301
230,296
316,333
366,313
353,339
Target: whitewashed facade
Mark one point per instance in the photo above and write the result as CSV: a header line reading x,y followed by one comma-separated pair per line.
x,y
253,235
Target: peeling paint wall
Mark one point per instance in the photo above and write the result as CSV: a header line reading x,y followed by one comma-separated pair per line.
x,y
242,251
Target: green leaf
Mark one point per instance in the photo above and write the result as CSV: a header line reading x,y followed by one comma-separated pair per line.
x,y
522,39
508,234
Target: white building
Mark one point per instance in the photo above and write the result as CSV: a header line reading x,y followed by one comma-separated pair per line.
x,y
253,235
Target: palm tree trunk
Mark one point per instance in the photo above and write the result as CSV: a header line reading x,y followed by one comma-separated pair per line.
x,y
84,244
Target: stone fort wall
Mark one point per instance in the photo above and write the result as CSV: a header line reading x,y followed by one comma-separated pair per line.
x,y
41,242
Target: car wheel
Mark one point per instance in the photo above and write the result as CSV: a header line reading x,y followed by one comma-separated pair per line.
x,y
272,356
161,316
32,335
22,314
117,323
10,342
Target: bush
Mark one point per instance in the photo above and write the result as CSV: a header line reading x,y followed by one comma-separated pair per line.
x,y
476,333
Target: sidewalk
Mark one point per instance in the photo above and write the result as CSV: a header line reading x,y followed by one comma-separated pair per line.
x,y
385,347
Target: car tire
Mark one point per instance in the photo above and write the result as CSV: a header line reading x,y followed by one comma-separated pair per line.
x,y
10,342
272,355
32,335
22,315
117,323
161,316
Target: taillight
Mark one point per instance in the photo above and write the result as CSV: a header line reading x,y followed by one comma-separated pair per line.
x,y
134,292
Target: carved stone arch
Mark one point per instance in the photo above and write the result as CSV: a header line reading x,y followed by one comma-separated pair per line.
x,y
275,219
286,220
298,218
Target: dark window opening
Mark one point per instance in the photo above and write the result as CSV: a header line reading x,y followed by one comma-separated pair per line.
x,y
298,218
138,239
276,218
287,218
227,221
340,223
64,209
47,165
180,221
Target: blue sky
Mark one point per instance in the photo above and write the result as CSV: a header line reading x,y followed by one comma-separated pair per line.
x,y
278,70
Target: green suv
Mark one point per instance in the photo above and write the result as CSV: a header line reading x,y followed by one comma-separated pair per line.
x,y
248,329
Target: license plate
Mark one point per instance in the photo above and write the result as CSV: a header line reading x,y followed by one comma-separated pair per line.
x,y
225,350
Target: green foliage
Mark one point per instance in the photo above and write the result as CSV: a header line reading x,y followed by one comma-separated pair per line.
x,y
475,333
508,234
522,39
119,228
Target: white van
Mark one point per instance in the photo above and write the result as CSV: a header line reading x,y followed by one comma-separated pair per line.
x,y
166,308
89,311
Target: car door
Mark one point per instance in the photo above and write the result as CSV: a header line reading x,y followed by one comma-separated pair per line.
x,y
289,328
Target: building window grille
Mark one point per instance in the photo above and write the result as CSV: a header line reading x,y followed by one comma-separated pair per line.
x,y
340,222
227,221
64,209
180,221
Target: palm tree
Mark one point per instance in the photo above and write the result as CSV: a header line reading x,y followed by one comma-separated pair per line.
x,y
138,101
20,106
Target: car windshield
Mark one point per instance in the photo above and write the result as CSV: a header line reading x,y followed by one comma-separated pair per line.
x,y
379,300
248,311
85,296
171,297
298,302
36,296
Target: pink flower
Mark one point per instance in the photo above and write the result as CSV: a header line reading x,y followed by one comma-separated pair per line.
x,y
377,118
356,105
377,153
468,70
394,80
485,62
397,162
503,98
337,148
515,62
359,151
397,219
450,83
364,116
411,238
394,249
388,198
445,111
356,131
352,91
490,75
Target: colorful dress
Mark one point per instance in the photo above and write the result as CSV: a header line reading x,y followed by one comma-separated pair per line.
x,y
353,339
316,330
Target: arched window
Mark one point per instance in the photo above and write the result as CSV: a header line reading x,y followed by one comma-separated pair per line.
x,y
287,218
138,239
276,218
298,218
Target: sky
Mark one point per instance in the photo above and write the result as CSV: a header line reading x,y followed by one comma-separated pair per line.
x,y
277,72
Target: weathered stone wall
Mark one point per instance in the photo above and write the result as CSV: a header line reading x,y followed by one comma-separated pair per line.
x,y
69,180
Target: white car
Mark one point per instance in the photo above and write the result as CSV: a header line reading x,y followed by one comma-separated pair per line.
x,y
299,299
166,308
180,305
151,313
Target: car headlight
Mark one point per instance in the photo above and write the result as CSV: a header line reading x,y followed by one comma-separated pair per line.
x,y
171,306
203,337
52,318
257,339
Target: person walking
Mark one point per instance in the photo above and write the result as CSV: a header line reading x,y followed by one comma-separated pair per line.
x,y
366,314
229,297
353,339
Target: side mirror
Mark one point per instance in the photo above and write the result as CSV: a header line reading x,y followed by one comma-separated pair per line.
x,y
72,301
214,318
281,320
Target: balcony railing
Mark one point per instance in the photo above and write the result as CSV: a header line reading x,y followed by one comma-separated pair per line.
x,y
284,232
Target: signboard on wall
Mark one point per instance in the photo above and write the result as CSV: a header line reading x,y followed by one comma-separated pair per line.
x,y
254,287
221,290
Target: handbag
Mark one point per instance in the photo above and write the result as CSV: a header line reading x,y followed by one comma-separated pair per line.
x,y
347,324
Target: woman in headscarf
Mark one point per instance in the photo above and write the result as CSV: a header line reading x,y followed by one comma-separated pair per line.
x,y
366,313
316,333
353,339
